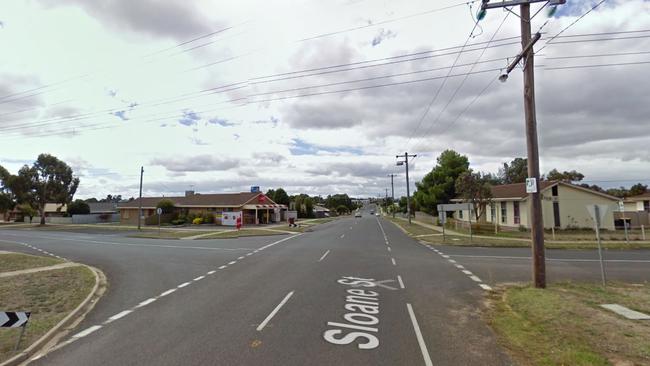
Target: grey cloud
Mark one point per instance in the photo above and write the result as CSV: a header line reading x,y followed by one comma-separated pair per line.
x,y
351,169
199,163
268,158
170,18
382,35
190,118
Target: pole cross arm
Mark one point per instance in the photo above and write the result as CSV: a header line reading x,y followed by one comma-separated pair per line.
x,y
523,52
487,5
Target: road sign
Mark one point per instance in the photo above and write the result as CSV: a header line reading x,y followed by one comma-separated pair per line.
x,y
159,210
531,185
13,319
597,213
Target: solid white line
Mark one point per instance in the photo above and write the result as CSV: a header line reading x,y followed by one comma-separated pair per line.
x,y
183,285
146,302
231,263
485,287
418,335
277,308
324,255
199,278
211,272
167,292
222,267
401,283
84,333
467,272
120,315
475,278
393,260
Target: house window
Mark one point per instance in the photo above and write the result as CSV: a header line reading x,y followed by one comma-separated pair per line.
x,y
493,212
554,191
515,206
504,213
460,214
126,214
646,206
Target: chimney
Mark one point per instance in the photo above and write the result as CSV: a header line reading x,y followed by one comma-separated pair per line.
x,y
189,193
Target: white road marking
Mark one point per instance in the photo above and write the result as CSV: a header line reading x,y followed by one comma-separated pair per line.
x,y
342,236
389,249
231,263
247,254
146,302
277,308
467,272
240,258
324,255
199,278
84,333
222,267
555,259
485,287
401,283
167,292
460,266
475,278
119,315
393,260
418,335
452,261
211,272
183,285
445,256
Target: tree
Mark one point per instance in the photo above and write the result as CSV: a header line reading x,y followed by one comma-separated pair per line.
x,y
309,207
48,180
439,186
166,205
27,210
342,210
91,200
566,176
271,194
476,189
111,198
281,197
78,207
515,172
621,192
6,200
638,189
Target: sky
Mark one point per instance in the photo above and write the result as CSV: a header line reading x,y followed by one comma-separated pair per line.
x,y
312,96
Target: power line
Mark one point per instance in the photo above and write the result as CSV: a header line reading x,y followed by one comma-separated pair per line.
x,y
597,65
598,55
572,24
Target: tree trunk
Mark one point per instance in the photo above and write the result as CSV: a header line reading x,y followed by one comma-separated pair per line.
x,y
41,210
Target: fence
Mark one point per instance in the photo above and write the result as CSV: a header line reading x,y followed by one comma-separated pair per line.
x,y
77,219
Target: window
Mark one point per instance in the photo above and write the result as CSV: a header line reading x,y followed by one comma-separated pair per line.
x,y
126,214
515,206
646,206
460,214
504,213
493,212
556,214
554,191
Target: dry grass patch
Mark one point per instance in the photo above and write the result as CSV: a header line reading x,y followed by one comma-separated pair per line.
x,y
10,262
49,295
565,325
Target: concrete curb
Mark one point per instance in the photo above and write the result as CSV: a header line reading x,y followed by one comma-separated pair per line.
x,y
44,344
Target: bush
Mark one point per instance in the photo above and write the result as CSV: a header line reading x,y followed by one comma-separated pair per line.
x,y
197,221
166,205
179,221
78,207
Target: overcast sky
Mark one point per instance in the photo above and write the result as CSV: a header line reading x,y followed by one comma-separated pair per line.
x,y
217,95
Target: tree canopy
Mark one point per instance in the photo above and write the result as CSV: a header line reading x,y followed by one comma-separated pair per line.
x,y
565,176
475,188
515,172
78,207
166,205
439,185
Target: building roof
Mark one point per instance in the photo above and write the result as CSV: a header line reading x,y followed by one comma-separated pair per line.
x,y
55,207
639,197
102,207
321,208
517,191
200,200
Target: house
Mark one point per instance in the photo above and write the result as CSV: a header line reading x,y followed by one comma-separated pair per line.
x,y
563,206
256,207
103,207
637,211
55,210
321,212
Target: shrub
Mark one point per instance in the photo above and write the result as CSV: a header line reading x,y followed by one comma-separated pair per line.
x,y
166,205
197,221
208,218
78,207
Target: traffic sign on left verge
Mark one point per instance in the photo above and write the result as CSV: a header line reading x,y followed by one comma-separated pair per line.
x,y
13,319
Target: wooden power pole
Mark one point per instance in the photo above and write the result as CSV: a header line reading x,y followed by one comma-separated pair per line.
x,y
532,183
408,189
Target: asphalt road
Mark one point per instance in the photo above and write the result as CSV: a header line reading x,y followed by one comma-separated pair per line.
x,y
285,300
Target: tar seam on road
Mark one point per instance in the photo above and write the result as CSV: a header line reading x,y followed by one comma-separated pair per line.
x,y
144,303
277,308
418,335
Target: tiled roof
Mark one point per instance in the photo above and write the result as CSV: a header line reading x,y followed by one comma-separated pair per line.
x,y
639,197
198,200
516,190
101,207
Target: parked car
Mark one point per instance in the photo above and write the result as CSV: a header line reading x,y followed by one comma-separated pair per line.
x,y
357,214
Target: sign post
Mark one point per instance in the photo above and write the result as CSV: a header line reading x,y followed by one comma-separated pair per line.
x,y
159,212
442,217
597,213
621,209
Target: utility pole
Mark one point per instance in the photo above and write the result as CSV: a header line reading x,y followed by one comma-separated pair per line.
x,y
140,199
392,192
534,196
386,201
408,189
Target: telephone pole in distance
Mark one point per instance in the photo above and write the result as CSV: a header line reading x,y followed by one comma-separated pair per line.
x,y
405,162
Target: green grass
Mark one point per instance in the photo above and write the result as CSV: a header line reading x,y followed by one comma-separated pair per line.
x,y
241,233
167,234
49,295
16,261
565,325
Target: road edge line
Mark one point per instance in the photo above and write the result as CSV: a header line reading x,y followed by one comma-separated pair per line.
x,y
418,335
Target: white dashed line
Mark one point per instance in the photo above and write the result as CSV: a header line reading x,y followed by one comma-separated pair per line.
x,y
393,260
485,287
401,283
167,292
452,261
475,278
118,315
469,273
183,285
388,249
277,308
211,272
460,266
342,236
248,254
146,302
84,333
418,335
231,263
199,278
240,258
324,255
222,267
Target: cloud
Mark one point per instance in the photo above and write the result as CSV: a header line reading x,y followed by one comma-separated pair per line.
x,y
190,118
382,35
264,158
198,163
300,147
121,115
221,122
175,19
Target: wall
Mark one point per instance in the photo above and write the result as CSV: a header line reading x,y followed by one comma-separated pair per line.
x,y
50,220
95,218
573,208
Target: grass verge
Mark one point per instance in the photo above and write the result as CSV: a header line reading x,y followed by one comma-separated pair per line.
x,y
10,262
49,295
565,325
